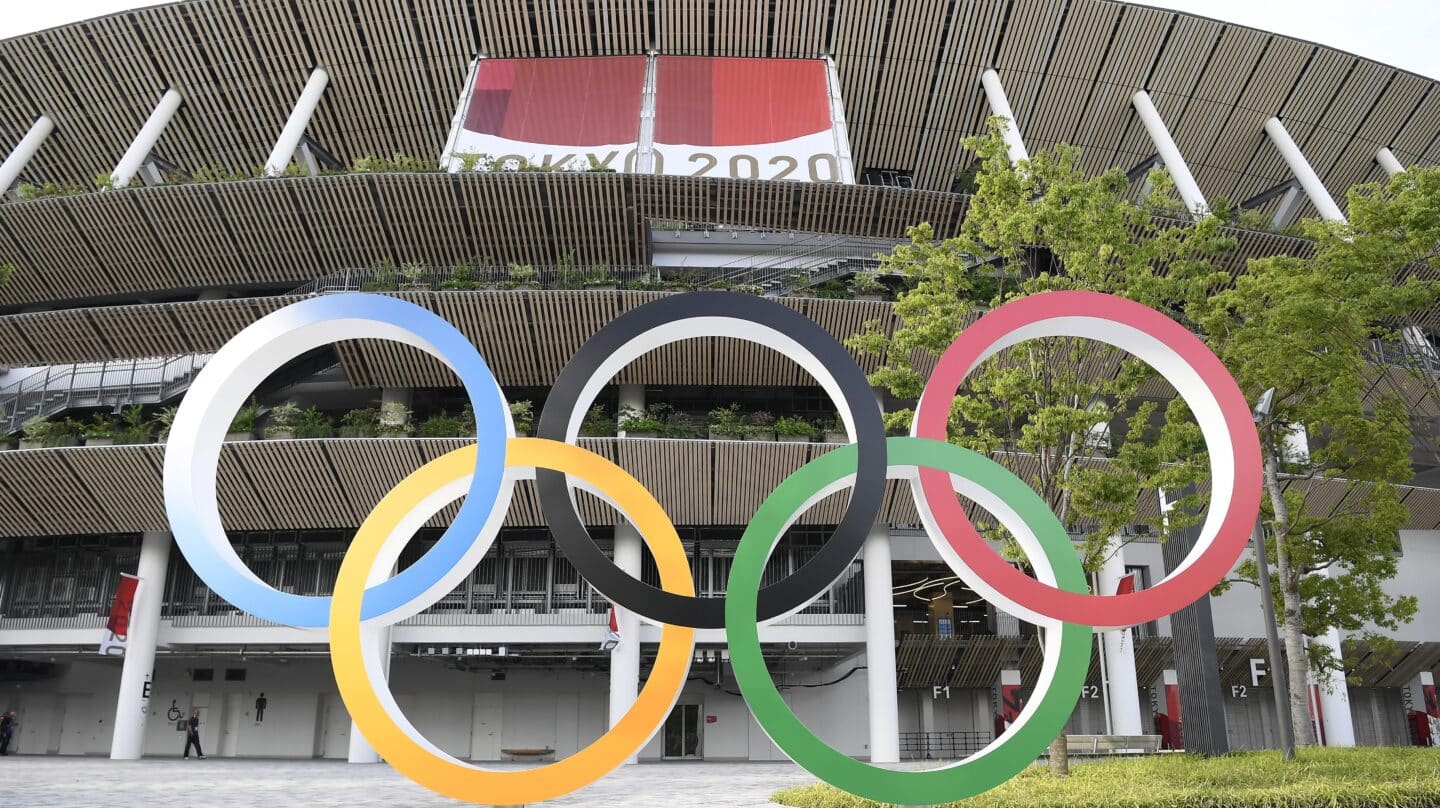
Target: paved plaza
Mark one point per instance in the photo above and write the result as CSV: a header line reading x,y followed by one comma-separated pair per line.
x,y
51,782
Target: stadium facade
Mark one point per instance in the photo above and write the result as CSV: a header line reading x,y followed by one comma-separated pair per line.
x,y
637,143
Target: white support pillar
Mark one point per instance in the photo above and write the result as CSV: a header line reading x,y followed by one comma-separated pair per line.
x,y
1122,687
294,129
24,151
1334,693
625,656
1185,183
145,141
360,750
632,397
1000,106
1387,161
1300,167
137,672
880,648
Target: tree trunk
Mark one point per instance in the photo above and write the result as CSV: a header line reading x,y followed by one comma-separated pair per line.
x,y
1297,664
1059,757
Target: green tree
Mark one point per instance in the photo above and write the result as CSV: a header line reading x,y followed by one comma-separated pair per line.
x,y
1053,407
1302,326
6,270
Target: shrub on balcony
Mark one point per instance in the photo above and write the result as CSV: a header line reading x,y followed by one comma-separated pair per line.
x,y
394,420
242,426
646,423
760,426
133,428
725,422
523,414
361,423
282,421
442,425
794,429
597,423
311,423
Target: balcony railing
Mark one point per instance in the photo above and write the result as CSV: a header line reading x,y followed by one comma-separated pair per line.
x,y
96,384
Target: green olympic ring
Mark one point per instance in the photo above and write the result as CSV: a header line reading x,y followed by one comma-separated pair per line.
x,y
1041,721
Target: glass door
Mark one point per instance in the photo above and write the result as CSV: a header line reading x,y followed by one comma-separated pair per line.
x,y
682,733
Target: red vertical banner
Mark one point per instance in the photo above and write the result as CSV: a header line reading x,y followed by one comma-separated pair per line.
x,y
117,628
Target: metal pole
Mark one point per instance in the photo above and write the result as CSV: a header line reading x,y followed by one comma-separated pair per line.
x,y
1278,671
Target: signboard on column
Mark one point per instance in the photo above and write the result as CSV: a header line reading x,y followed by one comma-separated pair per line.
x,y
117,628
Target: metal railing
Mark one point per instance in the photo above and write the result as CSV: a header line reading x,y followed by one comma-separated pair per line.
x,y
96,384
429,278
941,745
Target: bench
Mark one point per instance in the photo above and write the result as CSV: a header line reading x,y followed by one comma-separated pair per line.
x,y
531,754
1112,744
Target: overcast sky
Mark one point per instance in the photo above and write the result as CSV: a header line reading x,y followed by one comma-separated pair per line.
x,y
1397,32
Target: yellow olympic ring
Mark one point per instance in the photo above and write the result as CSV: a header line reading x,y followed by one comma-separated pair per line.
x,y
424,763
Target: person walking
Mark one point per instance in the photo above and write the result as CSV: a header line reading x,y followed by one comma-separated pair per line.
x,y
192,735
7,731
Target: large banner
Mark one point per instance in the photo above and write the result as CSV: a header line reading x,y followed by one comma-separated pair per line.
x,y
117,628
770,119
765,119
572,114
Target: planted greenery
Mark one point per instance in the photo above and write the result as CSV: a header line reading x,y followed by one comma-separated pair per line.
x,y
163,420
40,432
311,423
1376,777
361,423
523,414
726,422
442,425
242,426
282,421
760,426
646,423
791,428
597,423
394,420
866,285
132,426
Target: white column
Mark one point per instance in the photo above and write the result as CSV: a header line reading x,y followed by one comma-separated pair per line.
x,y
1122,689
1300,167
880,648
145,141
24,151
1185,183
360,749
1334,695
625,656
1000,106
294,129
1384,157
136,674
632,396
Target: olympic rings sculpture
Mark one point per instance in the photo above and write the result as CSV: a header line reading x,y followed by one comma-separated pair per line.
x,y
368,597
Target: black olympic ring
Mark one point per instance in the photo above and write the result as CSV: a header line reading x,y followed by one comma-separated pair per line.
x,y
605,354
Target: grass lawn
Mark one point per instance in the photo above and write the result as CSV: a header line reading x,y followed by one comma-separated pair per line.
x,y
1334,778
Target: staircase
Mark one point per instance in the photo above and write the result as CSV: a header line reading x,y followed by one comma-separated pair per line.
x,y
94,385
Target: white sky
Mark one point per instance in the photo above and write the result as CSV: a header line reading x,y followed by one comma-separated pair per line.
x,y
1397,32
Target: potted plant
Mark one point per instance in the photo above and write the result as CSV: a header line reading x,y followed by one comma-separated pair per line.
x,y
680,427
133,427
637,423
524,276
35,432
382,278
361,423
162,422
601,280
395,420
724,423
412,277
312,423
832,429
793,429
760,426
98,431
282,421
242,426
866,285
462,279
442,425
523,414
597,423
